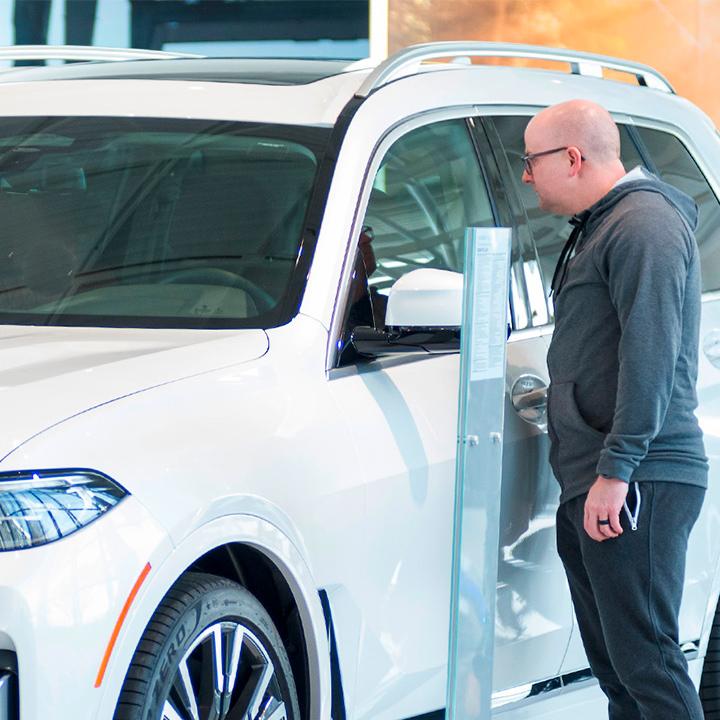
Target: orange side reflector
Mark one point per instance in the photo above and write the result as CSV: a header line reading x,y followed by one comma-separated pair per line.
x,y
118,624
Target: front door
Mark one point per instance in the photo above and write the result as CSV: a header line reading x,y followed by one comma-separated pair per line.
x,y
429,184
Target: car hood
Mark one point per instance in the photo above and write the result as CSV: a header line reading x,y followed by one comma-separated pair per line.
x,y
48,375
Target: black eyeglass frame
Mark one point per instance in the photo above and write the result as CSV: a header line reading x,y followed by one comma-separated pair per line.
x,y
527,158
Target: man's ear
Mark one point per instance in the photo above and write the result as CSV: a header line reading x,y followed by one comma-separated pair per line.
x,y
576,160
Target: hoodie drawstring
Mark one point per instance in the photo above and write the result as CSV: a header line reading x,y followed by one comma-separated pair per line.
x,y
633,517
561,268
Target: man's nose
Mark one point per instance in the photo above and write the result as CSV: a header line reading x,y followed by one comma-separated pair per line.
x,y
526,177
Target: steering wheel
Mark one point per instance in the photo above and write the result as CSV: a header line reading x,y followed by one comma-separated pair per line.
x,y
216,276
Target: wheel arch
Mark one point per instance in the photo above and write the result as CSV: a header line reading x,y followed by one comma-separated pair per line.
x,y
257,572
257,555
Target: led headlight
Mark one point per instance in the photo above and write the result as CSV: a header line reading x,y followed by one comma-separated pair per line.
x,y
41,506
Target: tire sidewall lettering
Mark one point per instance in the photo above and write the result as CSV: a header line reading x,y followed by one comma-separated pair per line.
x,y
179,642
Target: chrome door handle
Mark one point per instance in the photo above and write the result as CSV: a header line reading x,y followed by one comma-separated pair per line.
x,y
529,398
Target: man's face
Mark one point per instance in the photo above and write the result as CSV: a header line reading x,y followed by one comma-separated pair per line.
x,y
546,173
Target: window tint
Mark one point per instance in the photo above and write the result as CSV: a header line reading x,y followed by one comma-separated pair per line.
x,y
150,223
676,167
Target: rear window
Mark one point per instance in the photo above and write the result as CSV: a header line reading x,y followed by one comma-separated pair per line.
x,y
151,223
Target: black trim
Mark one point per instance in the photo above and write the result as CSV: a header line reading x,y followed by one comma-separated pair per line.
x,y
337,700
524,247
316,210
641,148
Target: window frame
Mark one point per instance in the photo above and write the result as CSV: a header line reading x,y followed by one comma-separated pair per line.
x,y
490,175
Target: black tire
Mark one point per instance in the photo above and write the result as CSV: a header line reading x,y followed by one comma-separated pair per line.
x,y
172,675
710,680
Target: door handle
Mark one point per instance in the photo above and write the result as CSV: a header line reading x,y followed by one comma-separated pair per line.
x,y
529,398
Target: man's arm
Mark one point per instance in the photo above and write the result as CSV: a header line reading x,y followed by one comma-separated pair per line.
x,y
646,271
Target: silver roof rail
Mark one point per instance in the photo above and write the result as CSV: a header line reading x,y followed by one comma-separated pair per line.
x,y
84,52
408,61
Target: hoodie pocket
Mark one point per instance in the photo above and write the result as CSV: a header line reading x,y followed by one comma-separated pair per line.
x,y
576,446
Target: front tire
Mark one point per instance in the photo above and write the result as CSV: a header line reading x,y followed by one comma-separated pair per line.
x,y
210,652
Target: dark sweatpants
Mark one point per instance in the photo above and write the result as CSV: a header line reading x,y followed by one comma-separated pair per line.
x,y
626,592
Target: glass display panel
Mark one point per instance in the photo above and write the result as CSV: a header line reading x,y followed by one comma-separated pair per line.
x,y
479,471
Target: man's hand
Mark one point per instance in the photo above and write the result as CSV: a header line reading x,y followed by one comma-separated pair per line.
x,y
604,503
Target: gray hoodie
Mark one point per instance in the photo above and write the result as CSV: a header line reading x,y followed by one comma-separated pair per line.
x,y
624,356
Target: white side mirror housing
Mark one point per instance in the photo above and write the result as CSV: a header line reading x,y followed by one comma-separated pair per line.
x,y
427,298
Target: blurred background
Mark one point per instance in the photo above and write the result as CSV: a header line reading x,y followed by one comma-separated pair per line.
x,y
680,38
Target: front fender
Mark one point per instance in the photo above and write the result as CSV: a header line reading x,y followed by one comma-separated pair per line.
x,y
285,556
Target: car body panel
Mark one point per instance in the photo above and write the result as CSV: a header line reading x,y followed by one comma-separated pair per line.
x,y
85,368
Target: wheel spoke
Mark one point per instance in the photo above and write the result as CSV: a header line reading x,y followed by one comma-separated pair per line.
x,y
233,649
273,710
185,693
262,674
169,712
218,675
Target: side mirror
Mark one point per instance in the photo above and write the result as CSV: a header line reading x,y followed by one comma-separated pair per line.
x,y
426,298
424,314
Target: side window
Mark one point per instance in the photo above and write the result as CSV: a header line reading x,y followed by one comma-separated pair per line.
x,y
428,189
659,151
549,232
676,167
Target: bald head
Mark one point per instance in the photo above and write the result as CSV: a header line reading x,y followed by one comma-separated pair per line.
x,y
585,125
584,163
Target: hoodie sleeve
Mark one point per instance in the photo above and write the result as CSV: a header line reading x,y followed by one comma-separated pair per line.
x,y
645,263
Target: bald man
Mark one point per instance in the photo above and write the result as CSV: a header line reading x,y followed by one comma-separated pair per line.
x,y
626,447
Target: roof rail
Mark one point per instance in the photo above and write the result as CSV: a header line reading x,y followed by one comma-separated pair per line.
x,y
408,61
83,52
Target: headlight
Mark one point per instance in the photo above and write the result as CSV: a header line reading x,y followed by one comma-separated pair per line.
x,y
38,507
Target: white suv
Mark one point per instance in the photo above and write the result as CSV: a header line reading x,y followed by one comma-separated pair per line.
x,y
227,458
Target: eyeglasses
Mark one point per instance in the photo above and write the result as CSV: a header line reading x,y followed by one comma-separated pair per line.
x,y
527,158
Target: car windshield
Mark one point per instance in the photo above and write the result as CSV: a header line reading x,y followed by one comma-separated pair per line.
x,y
133,222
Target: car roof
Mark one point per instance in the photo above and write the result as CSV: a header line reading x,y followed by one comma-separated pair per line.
x,y
297,91
261,71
